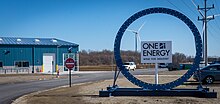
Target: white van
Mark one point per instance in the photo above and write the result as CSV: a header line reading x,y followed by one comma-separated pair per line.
x,y
130,65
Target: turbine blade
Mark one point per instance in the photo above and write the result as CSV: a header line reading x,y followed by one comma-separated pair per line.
x,y
135,32
141,27
131,30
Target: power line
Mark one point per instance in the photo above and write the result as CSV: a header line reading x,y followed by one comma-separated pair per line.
x,y
212,35
195,21
216,23
217,6
212,1
217,11
189,7
213,28
202,1
196,7
217,26
207,17
174,5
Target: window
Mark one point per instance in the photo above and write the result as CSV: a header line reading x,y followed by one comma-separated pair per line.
x,y
25,64
218,67
1,65
213,68
22,64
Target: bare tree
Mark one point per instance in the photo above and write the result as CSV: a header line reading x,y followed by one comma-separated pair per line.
x,y
105,57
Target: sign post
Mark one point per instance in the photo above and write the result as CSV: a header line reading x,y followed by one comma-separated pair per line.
x,y
156,73
70,63
156,52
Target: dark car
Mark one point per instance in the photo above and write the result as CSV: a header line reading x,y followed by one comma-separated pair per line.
x,y
208,74
215,62
173,66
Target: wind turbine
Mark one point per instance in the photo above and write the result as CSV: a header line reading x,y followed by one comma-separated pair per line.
x,y
137,36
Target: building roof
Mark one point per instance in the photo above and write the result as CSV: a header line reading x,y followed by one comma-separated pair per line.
x,y
34,41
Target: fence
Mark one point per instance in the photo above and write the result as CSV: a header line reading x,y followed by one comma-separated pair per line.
x,y
15,70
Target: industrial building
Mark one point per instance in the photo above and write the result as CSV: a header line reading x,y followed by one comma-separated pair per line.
x,y
36,55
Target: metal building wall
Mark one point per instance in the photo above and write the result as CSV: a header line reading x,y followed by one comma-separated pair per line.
x,y
64,49
24,53
40,50
17,53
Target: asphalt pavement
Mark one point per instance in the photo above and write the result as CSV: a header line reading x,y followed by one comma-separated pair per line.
x,y
9,92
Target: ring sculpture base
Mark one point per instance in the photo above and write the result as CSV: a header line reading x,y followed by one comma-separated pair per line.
x,y
115,91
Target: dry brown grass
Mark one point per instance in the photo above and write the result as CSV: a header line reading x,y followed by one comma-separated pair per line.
x,y
87,93
18,78
97,68
110,67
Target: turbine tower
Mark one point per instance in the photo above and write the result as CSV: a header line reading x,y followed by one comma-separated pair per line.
x,y
137,36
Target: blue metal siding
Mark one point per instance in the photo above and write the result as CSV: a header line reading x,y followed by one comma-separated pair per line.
x,y
64,49
28,49
17,53
40,50
24,53
61,50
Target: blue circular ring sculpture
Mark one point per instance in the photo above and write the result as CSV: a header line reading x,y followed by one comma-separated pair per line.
x,y
170,85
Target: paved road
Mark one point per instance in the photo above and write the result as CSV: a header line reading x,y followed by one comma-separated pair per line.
x,y
9,92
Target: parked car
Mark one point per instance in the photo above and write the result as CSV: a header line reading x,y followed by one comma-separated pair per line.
x,y
163,65
173,66
130,65
202,64
215,62
208,74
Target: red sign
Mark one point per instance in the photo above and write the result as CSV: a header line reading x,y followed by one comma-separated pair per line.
x,y
69,63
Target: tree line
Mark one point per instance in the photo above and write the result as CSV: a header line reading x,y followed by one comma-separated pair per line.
x,y
106,57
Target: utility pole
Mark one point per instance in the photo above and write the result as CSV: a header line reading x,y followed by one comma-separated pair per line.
x,y
205,19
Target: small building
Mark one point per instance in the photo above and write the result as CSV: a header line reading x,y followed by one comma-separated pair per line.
x,y
36,55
